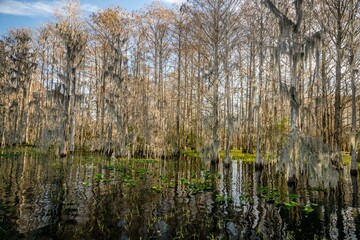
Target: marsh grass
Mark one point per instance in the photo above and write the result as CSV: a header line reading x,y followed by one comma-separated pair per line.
x,y
8,152
189,153
346,158
236,154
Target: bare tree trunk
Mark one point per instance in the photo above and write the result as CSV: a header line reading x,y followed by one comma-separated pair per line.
x,y
198,103
65,125
324,96
337,115
177,149
228,121
26,132
354,11
103,90
3,138
249,146
258,161
21,131
72,110
215,109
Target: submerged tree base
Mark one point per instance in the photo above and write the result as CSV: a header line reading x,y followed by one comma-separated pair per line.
x,y
292,181
354,172
259,166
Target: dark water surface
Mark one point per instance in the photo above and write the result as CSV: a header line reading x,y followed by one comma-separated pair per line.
x,y
89,197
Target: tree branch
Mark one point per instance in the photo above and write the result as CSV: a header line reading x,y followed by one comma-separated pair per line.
x,y
277,12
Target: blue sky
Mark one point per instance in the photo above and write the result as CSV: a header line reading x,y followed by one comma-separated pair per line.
x,y
33,13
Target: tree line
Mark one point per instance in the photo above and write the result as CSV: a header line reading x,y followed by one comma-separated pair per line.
x,y
264,76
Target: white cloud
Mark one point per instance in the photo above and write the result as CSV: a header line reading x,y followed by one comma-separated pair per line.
x,y
174,1
26,8
37,8
86,7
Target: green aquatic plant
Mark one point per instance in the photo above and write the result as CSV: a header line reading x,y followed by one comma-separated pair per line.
x,y
244,198
141,172
144,160
290,204
239,155
98,177
346,158
157,189
209,175
171,184
9,154
293,196
196,186
273,196
310,207
110,167
129,181
205,184
163,178
189,153
221,199
268,193
184,181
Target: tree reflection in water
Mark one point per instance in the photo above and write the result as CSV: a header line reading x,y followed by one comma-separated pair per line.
x,y
90,197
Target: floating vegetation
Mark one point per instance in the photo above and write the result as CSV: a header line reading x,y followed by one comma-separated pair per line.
x,y
234,154
239,155
268,193
188,152
9,154
99,178
171,184
346,158
163,178
141,172
157,189
273,196
244,198
205,184
288,205
310,207
221,199
129,181
163,184
110,167
210,175
185,181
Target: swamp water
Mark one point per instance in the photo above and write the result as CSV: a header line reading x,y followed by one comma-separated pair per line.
x,y
89,197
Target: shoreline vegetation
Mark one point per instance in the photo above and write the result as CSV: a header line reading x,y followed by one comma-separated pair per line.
x,y
234,153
